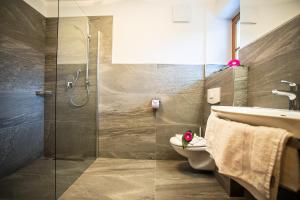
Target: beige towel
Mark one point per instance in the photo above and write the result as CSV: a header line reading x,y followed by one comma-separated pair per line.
x,y
248,153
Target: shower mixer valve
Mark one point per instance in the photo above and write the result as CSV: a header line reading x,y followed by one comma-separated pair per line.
x,y
69,84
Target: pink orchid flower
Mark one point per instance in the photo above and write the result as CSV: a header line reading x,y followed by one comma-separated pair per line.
x,y
234,63
188,136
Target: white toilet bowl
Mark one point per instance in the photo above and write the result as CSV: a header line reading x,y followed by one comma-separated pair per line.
x,y
197,156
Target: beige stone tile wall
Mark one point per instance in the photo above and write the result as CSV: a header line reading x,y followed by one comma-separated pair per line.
x,y
270,59
76,129
267,61
224,80
128,127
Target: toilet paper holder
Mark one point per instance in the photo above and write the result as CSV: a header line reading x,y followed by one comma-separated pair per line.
x,y
155,103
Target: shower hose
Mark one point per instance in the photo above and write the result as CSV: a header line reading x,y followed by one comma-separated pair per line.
x,y
72,101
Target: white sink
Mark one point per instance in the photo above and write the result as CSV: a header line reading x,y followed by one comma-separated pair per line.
x,y
286,119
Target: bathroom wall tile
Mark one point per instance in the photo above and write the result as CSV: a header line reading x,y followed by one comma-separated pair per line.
x,y
67,112
164,150
49,105
125,111
68,72
51,35
22,47
15,148
138,143
72,40
75,140
123,79
189,72
125,94
270,59
210,69
188,108
126,104
22,73
180,109
167,113
240,84
50,84
267,76
31,25
50,70
19,108
190,86
166,79
293,69
172,79
223,79
126,121
76,126
267,100
49,138
104,24
269,47
19,71
240,98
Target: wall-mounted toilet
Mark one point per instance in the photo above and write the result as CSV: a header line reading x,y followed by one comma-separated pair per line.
x,y
195,152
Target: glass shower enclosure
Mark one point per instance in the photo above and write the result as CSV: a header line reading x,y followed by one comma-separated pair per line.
x,y
76,97
48,98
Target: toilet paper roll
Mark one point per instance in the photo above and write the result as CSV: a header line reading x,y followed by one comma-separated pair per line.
x,y
155,104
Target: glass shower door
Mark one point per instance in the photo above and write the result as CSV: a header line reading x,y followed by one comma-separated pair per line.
x,y
76,101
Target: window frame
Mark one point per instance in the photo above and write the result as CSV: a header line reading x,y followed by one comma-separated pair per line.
x,y
235,49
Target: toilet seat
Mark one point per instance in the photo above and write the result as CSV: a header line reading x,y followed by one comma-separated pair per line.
x,y
195,152
195,147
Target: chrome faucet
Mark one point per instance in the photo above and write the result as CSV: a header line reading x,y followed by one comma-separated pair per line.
x,y
292,94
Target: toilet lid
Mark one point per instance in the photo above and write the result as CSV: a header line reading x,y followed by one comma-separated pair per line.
x,y
196,142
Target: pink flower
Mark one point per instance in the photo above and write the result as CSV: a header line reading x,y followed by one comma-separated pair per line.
x,y
188,136
234,63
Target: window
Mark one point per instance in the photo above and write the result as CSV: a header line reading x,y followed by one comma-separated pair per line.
x,y
236,36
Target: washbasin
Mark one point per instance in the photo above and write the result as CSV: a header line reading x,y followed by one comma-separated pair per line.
x,y
280,118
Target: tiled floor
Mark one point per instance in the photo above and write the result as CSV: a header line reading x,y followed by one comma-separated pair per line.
x,y
37,181
121,179
111,179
